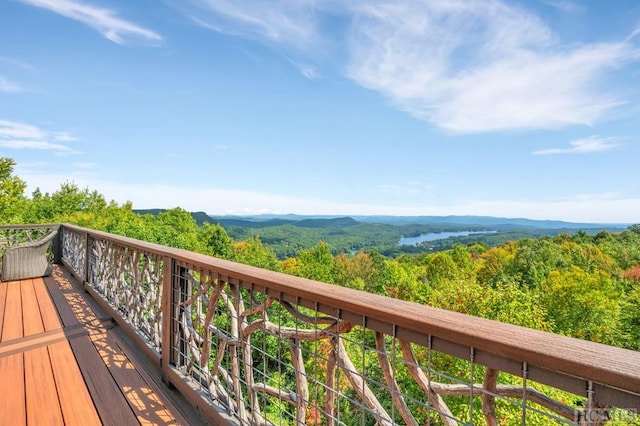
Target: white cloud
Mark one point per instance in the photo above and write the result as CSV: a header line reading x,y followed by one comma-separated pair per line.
x,y
14,130
39,145
590,208
14,135
285,22
566,5
8,86
105,21
480,66
463,65
64,137
17,63
308,71
581,146
85,166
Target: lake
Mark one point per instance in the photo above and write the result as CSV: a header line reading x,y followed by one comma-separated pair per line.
x,y
433,236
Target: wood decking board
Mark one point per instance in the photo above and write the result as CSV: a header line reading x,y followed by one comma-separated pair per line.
x,y
77,406
12,404
31,318
112,406
65,313
3,298
144,401
43,406
144,397
28,343
65,366
12,327
50,318
39,382
73,310
156,381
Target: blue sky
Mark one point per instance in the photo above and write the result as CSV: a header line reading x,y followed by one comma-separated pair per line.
x,y
402,107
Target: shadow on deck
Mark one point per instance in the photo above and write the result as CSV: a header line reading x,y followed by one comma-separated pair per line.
x,y
64,361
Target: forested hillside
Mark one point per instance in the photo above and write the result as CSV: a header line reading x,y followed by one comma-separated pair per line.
x,y
286,235
581,285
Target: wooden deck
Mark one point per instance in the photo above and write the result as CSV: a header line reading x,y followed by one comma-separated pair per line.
x,y
63,362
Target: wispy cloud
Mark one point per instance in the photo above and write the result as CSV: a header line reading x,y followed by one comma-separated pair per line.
x,y
14,135
7,86
39,145
463,65
568,6
85,166
285,22
308,71
17,63
480,66
581,146
105,21
64,137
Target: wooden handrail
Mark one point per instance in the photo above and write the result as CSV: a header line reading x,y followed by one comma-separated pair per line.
x,y
611,366
606,376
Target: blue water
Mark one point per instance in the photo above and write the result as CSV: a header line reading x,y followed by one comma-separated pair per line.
x,y
433,236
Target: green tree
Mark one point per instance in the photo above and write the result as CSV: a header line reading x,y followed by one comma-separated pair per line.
x,y
352,271
463,260
630,319
495,265
12,199
440,267
316,263
121,220
67,204
215,240
253,252
534,259
176,228
583,304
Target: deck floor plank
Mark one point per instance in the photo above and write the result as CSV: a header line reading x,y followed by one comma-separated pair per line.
x,y
65,365
112,406
98,379
77,406
65,312
12,404
148,377
50,318
12,327
42,403
3,298
144,402
31,318
142,394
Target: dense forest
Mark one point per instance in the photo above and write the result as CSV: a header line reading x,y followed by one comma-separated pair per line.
x,y
286,235
581,285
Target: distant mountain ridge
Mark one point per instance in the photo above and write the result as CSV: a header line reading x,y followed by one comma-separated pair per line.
x,y
323,221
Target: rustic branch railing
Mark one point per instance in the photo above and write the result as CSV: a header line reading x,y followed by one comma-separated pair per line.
x,y
18,234
258,347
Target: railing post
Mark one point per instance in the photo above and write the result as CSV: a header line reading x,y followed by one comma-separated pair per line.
x,y
85,278
56,246
168,319
175,291
181,292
